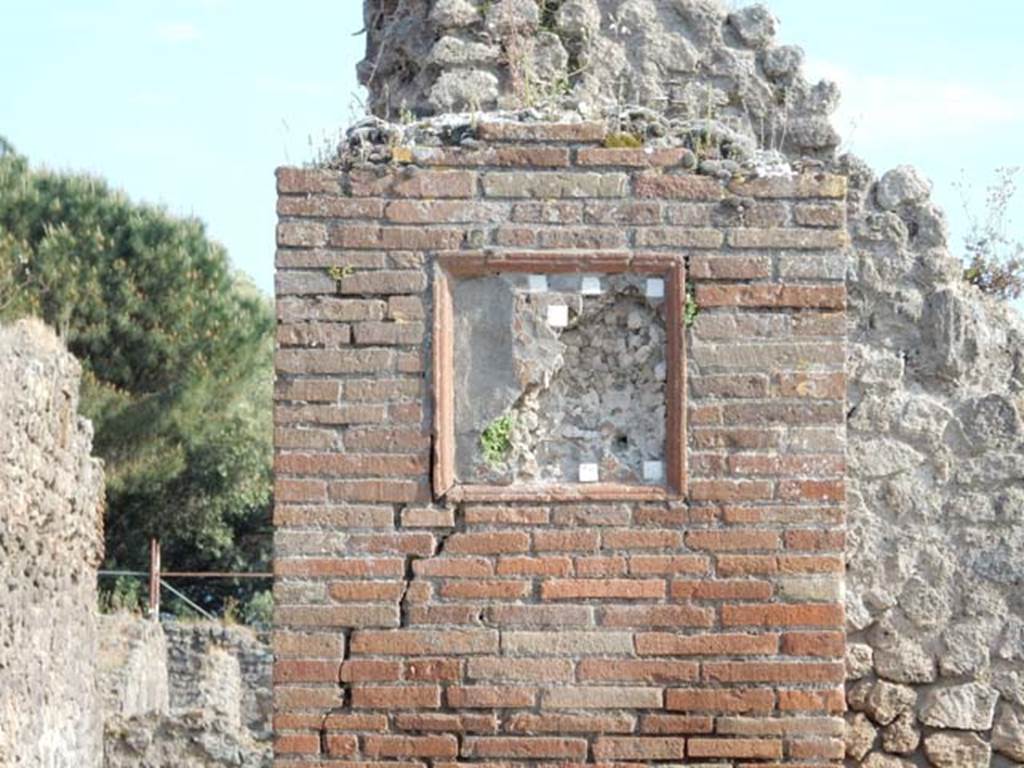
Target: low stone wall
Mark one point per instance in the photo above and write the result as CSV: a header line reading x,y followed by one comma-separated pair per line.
x,y
50,546
190,646
195,694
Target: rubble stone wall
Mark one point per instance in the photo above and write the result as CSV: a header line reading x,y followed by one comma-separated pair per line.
x,y
51,544
707,628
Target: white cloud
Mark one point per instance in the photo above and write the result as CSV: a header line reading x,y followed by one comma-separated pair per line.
x,y
178,32
895,108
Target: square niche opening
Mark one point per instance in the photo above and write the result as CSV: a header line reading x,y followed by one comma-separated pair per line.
x,y
559,377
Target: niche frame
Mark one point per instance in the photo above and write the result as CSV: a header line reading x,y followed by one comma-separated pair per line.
x,y
453,265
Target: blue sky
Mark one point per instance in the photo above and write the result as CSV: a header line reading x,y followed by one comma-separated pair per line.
x,y
193,103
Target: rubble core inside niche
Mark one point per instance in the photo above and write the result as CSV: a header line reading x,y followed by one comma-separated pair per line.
x,y
559,375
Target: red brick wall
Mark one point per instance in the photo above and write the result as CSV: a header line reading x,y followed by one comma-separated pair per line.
x,y
411,631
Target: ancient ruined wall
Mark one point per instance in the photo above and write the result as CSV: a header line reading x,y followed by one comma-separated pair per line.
x,y
189,645
50,546
936,449
707,628
191,694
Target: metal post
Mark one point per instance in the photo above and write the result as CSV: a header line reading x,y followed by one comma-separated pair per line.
x,y
154,579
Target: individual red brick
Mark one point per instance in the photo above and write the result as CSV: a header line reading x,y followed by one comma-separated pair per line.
x,y
669,724
637,539
750,748
679,237
811,564
308,180
774,672
544,157
342,464
815,540
336,615
411,642
308,645
524,747
802,239
398,491
622,212
632,670
491,515
305,671
627,589
365,591
385,334
455,567
490,697
733,540
740,589
301,234
824,386
600,697
730,490
657,616
819,214
593,567
746,565
386,440
801,615
297,744
296,697
771,295
493,589
433,670
443,745
403,543
348,721
531,616
821,644
817,749
642,157
556,722
613,748
726,700
640,565
367,567
534,566
329,207
427,517
341,744
812,490
438,721
503,669
799,700
299,490
565,541
682,186
670,644
443,212
802,186
395,696
490,543
370,670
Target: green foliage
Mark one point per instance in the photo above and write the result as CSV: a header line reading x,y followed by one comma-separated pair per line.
x,y
177,364
692,308
496,439
259,609
338,273
995,260
622,140
124,595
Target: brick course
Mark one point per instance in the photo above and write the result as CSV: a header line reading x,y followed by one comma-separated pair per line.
x,y
702,629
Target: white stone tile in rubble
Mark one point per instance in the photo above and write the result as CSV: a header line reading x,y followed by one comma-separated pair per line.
x,y
558,316
654,471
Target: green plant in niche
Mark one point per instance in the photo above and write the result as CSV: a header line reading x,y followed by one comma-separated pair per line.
x,y
621,140
496,439
692,308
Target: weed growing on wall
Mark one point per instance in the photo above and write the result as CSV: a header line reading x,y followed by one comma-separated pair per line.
x,y
995,260
496,440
